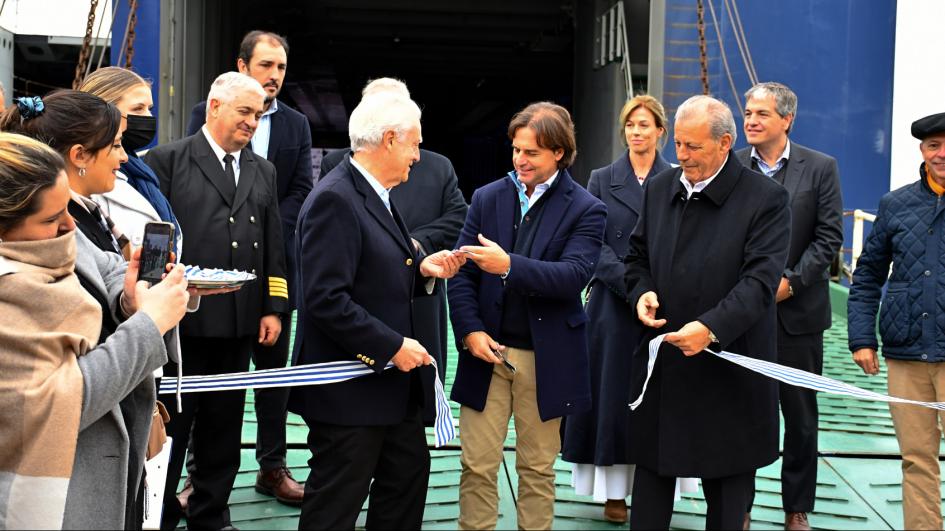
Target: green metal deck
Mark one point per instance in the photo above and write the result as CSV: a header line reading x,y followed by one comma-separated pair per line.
x,y
858,476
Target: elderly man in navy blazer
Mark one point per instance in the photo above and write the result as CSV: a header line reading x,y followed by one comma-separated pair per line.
x,y
283,137
360,274
533,238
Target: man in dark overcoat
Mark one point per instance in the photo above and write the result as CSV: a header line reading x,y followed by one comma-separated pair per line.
x,y
705,260
434,210
225,199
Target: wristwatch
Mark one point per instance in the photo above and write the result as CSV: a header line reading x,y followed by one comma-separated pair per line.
x,y
790,289
712,338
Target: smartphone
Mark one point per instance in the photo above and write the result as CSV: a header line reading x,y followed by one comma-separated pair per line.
x,y
156,250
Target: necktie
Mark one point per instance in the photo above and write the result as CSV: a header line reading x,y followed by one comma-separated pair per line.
x,y
228,168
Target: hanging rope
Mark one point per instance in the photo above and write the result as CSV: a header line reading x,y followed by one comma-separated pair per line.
x,y
111,27
98,32
86,47
132,21
703,58
742,46
741,32
728,71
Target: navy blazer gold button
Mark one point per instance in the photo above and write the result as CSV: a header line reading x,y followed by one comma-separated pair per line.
x,y
409,262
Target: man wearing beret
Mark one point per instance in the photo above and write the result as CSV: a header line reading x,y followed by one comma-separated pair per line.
x,y
909,233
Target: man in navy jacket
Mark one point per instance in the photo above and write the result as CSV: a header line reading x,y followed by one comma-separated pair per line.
x,y
283,137
909,233
359,277
533,239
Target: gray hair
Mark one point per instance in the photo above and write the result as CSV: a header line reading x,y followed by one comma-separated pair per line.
x,y
720,117
385,84
785,100
379,113
228,84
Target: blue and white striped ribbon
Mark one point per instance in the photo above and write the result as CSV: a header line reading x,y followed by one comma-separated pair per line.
x,y
788,375
313,374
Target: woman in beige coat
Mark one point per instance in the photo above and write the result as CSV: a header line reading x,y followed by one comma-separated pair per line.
x,y
66,454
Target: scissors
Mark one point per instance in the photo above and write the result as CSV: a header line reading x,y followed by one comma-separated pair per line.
x,y
505,360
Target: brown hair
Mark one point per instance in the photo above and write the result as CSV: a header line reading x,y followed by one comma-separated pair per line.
x,y
69,117
248,46
111,83
27,168
649,103
552,126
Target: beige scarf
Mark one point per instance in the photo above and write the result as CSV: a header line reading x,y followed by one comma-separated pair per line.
x,y
47,320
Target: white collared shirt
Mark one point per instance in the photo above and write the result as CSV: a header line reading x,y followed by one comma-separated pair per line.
x,y
260,141
701,185
526,202
771,170
382,192
220,153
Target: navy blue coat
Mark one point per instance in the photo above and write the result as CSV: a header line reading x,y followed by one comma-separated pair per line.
x,y
599,436
909,232
433,209
358,279
562,259
290,151
716,258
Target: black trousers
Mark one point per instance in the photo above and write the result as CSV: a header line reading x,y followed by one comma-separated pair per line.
x,y
270,404
652,501
344,461
217,421
799,408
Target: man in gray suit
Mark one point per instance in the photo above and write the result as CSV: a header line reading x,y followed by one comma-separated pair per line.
x,y
803,296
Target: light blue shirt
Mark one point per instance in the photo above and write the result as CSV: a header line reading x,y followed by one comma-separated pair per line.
x,y
219,153
260,141
701,185
526,202
771,170
382,192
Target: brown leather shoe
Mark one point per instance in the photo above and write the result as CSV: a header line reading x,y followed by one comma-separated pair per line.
x,y
279,483
796,522
615,511
746,523
184,495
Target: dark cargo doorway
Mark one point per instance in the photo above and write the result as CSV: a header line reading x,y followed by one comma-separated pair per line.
x,y
470,64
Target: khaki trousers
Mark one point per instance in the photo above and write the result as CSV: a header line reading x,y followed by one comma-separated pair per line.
x,y
918,430
482,435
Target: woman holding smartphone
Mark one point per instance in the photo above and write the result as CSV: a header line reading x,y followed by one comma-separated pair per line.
x,y
79,338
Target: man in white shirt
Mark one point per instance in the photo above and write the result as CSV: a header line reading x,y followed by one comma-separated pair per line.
x,y
225,199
